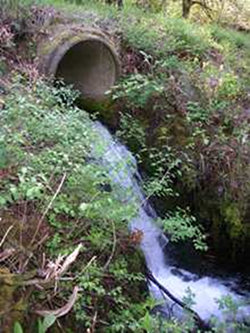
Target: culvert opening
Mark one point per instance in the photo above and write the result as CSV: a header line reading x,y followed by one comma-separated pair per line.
x,y
91,67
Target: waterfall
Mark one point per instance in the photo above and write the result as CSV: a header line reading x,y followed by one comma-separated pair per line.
x,y
122,169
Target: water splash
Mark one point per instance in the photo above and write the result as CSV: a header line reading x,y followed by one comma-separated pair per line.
x,y
123,173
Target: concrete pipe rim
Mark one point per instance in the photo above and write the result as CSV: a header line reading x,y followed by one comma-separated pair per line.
x,y
58,54
64,47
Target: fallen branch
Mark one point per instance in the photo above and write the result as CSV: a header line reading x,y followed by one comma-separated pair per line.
x,y
64,309
200,322
69,260
55,270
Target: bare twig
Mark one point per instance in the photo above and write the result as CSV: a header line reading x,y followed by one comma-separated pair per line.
x,y
48,208
6,234
64,309
69,260
85,268
153,192
6,254
94,322
32,251
113,246
55,269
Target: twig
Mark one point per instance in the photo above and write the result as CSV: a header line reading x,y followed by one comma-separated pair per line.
x,y
64,309
200,322
85,268
6,234
48,208
69,260
31,253
113,247
152,193
6,254
55,270
94,322
22,224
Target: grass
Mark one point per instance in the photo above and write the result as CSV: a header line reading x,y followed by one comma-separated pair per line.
x,y
159,33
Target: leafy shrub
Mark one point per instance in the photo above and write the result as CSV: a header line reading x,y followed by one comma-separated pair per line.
x,y
48,142
138,89
180,225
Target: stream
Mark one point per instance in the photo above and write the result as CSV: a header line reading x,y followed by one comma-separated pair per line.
x,y
125,180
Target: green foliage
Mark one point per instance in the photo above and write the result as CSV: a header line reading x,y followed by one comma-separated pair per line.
x,y
181,226
138,89
43,325
229,86
233,219
187,101
189,298
15,9
235,38
43,138
46,323
45,141
132,132
18,327
164,168
229,308
196,113
167,36
155,6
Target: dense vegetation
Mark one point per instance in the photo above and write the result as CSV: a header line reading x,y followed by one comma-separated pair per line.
x,y
181,106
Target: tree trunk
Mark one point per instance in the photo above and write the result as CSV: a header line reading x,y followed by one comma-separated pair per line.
x,y
120,3
186,6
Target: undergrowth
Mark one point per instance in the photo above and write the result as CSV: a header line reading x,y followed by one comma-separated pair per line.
x,y
56,195
183,103
45,146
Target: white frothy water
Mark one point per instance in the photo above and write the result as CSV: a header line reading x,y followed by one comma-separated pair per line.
x,y
123,173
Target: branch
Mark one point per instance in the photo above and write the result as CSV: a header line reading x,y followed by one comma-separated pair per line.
x,y
113,247
200,322
55,269
48,208
64,309
5,236
7,253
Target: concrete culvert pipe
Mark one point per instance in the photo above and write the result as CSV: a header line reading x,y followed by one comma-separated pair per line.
x,y
85,58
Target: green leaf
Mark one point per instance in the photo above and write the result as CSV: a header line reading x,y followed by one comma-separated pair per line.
x,y
83,206
48,322
147,322
3,156
2,201
33,192
40,326
18,327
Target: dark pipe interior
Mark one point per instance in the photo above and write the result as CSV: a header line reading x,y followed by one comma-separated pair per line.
x,y
91,68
